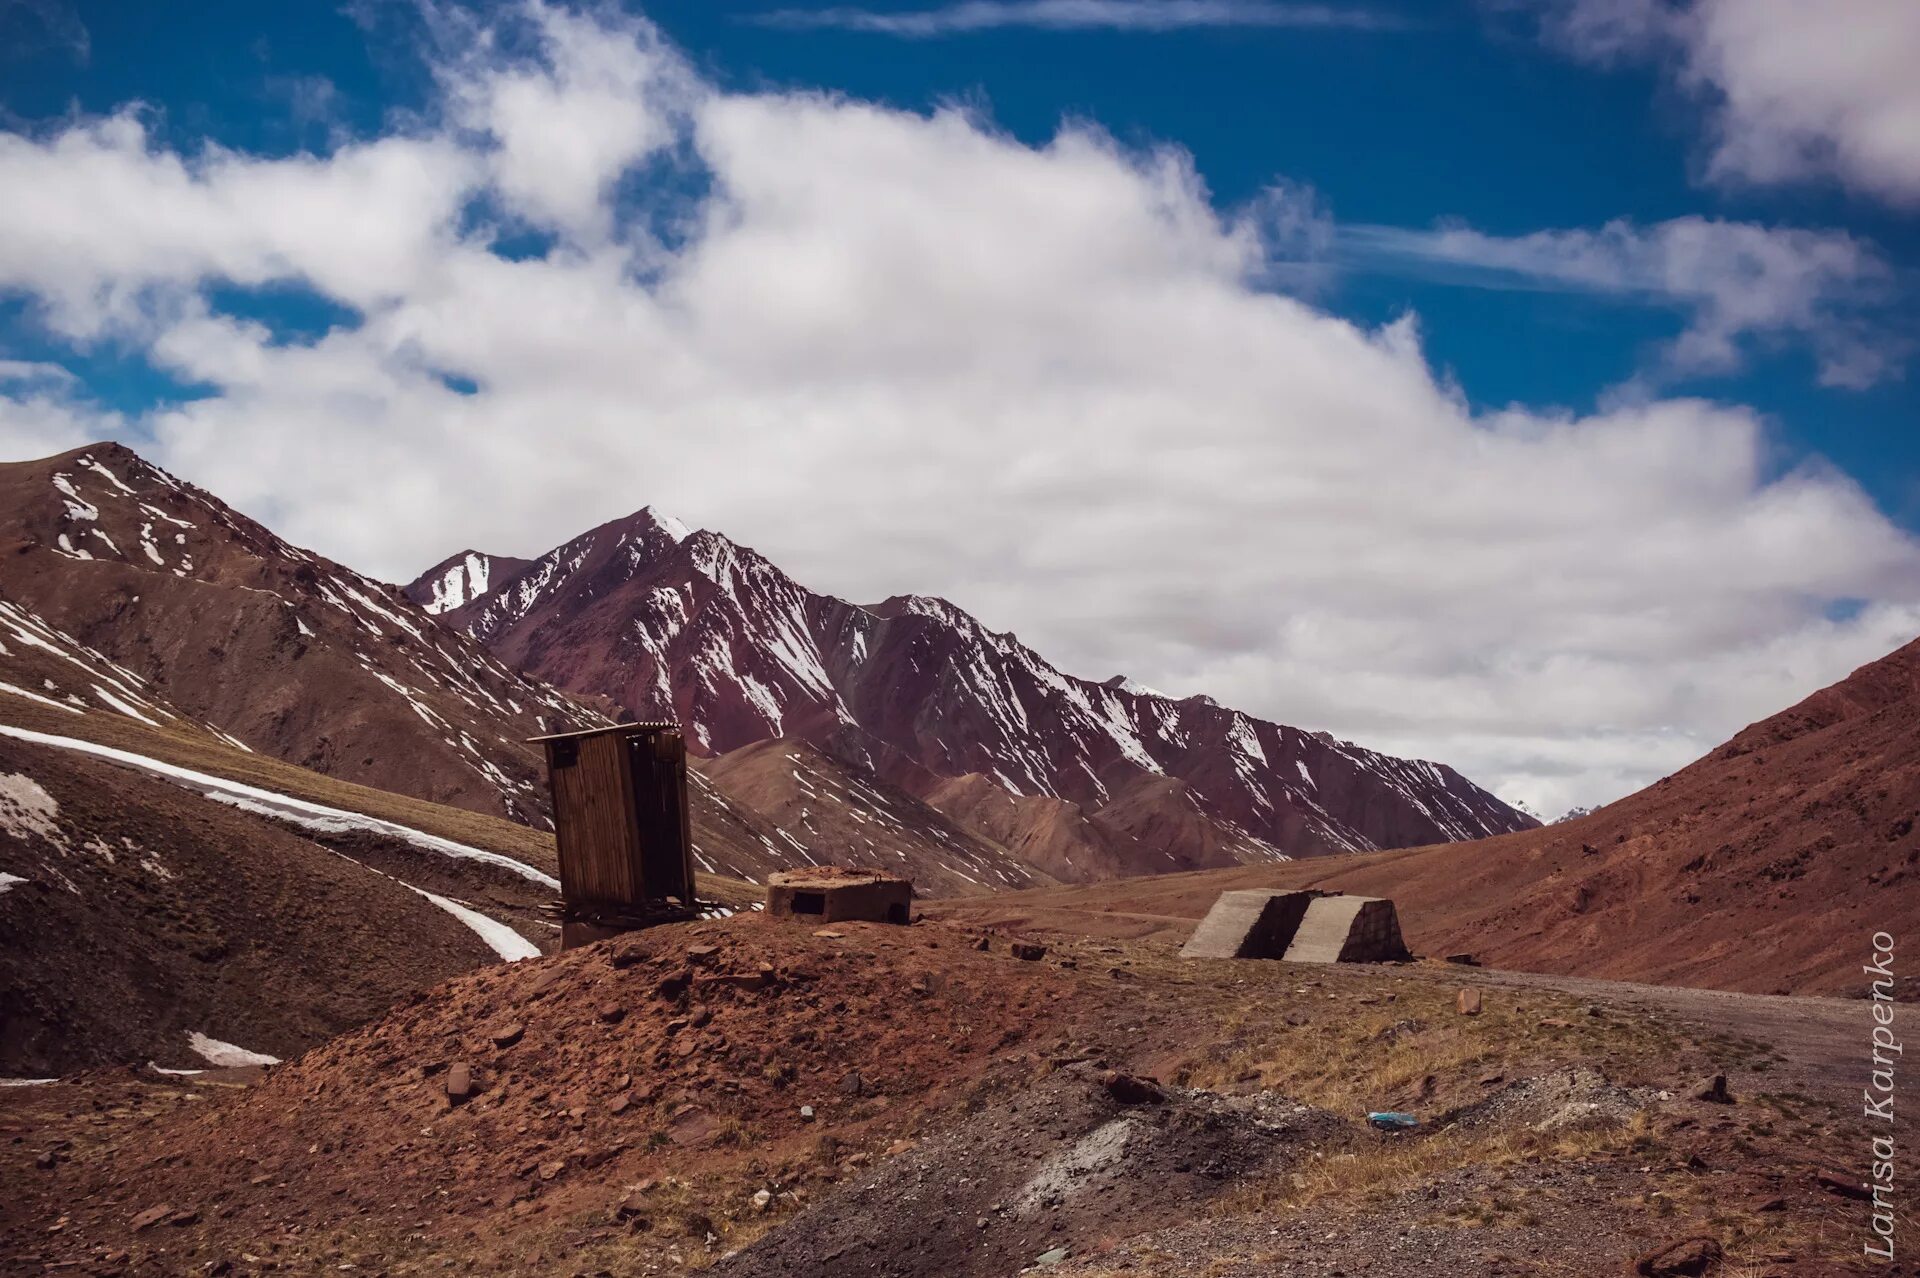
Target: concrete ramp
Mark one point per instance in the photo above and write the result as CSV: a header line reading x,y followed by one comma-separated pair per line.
x,y
1248,924
1348,929
1301,927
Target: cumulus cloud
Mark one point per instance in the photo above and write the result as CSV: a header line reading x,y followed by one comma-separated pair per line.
x,y
1079,15
1738,283
39,413
906,352
1796,90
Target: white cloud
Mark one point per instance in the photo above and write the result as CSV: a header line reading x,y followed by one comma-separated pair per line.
x,y
1079,15
1797,89
902,352
96,220
1737,281
600,96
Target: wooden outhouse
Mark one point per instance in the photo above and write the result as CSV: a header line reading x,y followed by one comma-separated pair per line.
x,y
620,823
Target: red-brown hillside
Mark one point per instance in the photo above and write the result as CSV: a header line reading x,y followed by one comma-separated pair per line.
x,y
1764,866
295,655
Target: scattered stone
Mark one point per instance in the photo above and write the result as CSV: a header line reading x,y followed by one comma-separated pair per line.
x,y
150,1217
610,1012
508,1035
550,1170
1687,1258
828,934
1554,1022
852,1084
459,1081
1491,1080
1770,1204
1030,951
1463,960
672,987
1120,974
983,945
1130,1089
762,1199
1468,1003
701,953
806,1113
628,952
545,981
758,979
44,1160
621,1103
1843,1186
1048,1259
184,1217
1714,1091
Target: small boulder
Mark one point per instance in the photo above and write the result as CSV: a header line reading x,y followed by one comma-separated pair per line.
x,y
459,1082
1688,1258
150,1217
1468,1003
1130,1089
1714,1091
1463,960
1029,951
1843,1187
509,1034
610,1012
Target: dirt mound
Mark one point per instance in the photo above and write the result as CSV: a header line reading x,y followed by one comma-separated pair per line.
x,y
1764,866
1064,1165
739,1055
137,915
1571,1097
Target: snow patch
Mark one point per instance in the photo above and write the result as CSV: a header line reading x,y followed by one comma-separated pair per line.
x,y
313,816
226,1055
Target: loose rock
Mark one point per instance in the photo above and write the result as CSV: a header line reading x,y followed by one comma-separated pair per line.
x,y
1687,1258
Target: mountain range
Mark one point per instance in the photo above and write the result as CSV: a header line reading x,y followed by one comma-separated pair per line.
x,y
1084,779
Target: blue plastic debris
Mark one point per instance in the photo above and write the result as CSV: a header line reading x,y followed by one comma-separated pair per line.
x,y
1388,1121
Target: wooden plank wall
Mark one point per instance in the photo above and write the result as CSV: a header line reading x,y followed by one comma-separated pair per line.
x,y
594,826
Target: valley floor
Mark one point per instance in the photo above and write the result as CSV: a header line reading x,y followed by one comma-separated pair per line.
x,y
758,1098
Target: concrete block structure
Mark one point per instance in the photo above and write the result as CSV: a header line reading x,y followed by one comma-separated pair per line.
x,y
1300,927
829,894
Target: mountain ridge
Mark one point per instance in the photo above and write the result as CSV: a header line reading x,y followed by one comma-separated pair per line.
x,y
664,620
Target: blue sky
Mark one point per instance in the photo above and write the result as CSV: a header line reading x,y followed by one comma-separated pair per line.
x,y
1456,114
1643,305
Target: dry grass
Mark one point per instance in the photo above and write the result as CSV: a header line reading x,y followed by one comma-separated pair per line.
x,y
1351,1056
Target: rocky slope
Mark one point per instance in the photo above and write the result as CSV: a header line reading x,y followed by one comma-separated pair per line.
x,y
267,643
661,620
828,811
1764,866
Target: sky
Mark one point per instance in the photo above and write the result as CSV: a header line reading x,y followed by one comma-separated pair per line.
x,y
1523,384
